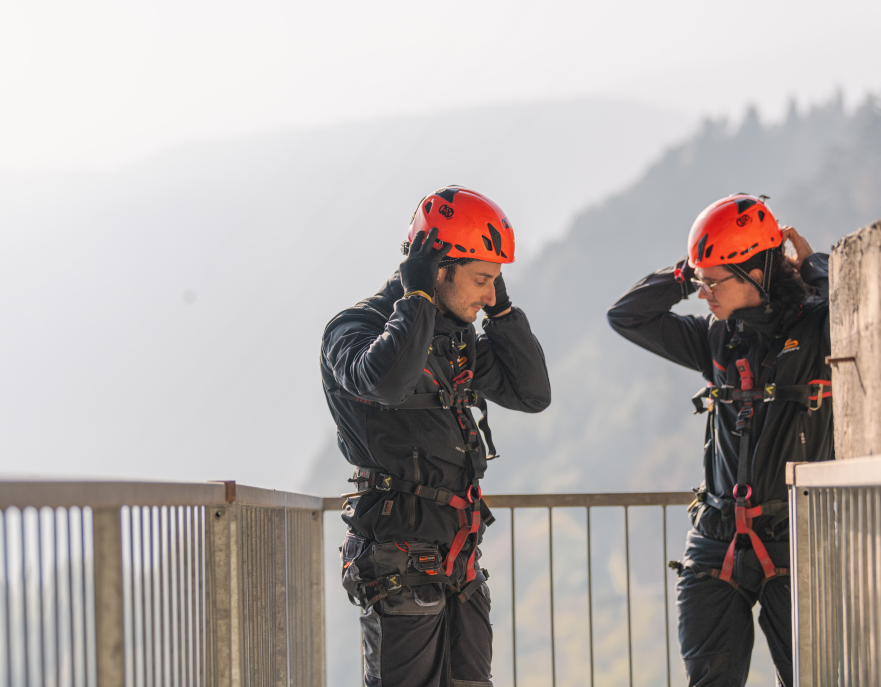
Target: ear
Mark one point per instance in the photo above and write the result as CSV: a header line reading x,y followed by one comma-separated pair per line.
x,y
441,274
757,275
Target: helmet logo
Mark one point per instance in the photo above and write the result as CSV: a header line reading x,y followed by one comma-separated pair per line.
x,y
743,220
506,223
446,211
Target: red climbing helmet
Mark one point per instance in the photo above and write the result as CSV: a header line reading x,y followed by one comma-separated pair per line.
x,y
732,230
475,225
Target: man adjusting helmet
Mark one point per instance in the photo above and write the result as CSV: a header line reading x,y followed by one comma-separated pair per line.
x,y
761,352
401,372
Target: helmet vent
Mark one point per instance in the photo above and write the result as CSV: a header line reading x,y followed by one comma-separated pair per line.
x,y
732,255
744,204
428,207
487,243
761,216
701,245
496,237
461,249
709,251
447,194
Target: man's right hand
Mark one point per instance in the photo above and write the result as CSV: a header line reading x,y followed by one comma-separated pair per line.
x,y
420,267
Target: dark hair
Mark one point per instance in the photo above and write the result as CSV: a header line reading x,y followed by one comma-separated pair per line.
x,y
788,290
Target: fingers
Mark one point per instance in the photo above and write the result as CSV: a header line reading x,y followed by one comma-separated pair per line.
x,y
442,251
416,243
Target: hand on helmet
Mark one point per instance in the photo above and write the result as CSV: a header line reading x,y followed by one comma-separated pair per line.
x,y
799,243
503,301
420,267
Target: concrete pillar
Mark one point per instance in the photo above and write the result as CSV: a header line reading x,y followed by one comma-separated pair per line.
x,y
855,318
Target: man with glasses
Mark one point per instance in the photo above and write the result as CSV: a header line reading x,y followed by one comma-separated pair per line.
x,y
762,351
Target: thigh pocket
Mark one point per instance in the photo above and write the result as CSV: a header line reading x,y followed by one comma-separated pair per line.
x,y
416,559
352,559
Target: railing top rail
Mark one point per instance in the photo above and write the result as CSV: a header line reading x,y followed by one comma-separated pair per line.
x,y
853,472
662,498
111,494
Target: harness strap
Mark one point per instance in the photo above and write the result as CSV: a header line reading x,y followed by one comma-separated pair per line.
x,y
443,399
371,592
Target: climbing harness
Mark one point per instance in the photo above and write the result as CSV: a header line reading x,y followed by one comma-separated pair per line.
x,y
811,396
471,508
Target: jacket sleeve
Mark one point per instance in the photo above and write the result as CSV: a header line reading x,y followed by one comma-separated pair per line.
x,y
379,362
642,315
510,368
815,273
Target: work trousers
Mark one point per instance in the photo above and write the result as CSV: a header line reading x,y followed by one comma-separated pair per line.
x,y
418,636
716,632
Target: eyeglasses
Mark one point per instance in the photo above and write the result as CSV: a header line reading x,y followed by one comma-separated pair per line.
x,y
706,287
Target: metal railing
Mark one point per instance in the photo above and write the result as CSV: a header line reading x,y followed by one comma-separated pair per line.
x,y
143,584
623,502
836,554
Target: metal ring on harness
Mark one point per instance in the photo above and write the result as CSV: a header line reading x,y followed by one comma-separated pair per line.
x,y
749,492
471,493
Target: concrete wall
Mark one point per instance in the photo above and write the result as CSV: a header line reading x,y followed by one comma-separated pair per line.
x,y
855,314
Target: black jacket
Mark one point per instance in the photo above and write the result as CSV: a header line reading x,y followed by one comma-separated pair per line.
x,y
781,431
378,351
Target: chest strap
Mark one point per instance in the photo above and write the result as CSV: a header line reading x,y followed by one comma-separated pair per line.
x,y
443,399
809,395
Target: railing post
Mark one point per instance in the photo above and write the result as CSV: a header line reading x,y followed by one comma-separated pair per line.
x,y
109,622
319,669
278,595
224,600
800,582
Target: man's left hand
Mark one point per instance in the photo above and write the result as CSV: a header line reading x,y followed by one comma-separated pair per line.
x,y
503,302
799,243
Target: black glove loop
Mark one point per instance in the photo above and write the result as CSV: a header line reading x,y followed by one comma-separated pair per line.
x,y
503,302
420,267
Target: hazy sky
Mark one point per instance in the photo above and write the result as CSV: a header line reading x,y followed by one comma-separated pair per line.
x,y
95,83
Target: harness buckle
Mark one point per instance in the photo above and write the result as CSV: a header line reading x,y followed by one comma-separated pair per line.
x,y
445,399
385,483
393,583
769,393
723,394
819,398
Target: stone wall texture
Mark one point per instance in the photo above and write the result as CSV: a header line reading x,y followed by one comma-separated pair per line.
x,y
855,315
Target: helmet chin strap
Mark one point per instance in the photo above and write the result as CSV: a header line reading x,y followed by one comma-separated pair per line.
x,y
764,288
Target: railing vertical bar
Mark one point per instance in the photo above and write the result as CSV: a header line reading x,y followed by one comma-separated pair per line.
x,y
264,597
81,592
666,590
7,611
551,559
133,595
832,536
177,659
56,574
40,606
819,620
203,594
70,588
875,650
513,604
842,588
245,542
862,633
145,595
199,606
163,594
194,629
24,599
590,599
180,519
627,564
149,574
188,591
